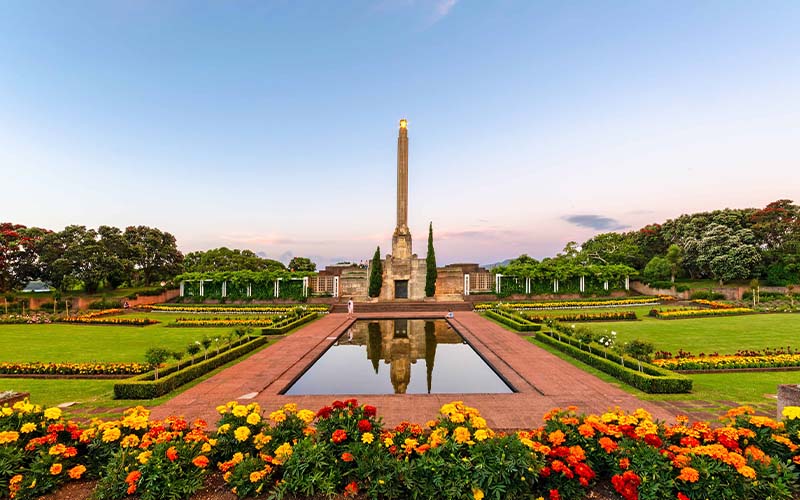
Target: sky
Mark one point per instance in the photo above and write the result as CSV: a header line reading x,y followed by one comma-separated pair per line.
x,y
272,125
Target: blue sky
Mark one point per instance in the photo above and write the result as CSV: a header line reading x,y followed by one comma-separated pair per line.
x,y
272,125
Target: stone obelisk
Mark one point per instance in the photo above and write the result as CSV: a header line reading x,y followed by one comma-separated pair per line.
x,y
401,239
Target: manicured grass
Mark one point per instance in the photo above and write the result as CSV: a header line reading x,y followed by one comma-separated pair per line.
x,y
83,343
725,335
48,392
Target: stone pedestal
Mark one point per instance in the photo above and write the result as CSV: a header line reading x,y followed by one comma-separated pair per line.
x,y
788,395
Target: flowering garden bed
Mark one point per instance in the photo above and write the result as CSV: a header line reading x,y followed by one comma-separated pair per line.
x,y
219,322
93,369
574,304
585,317
344,449
742,360
699,313
85,320
233,309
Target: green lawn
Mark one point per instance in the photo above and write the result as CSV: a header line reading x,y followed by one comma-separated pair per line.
x,y
82,343
724,335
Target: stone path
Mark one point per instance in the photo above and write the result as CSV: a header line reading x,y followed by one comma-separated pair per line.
x,y
543,381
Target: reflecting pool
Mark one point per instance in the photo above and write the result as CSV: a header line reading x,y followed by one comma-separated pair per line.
x,y
399,356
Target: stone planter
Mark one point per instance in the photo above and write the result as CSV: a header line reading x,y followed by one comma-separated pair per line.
x,y
13,398
788,395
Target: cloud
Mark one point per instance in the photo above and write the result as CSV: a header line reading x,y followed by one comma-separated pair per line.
x,y
597,222
443,7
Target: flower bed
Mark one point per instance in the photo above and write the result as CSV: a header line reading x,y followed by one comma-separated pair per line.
x,y
84,320
744,359
104,312
699,313
289,323
219,322
585,317
713,304
73,368
344,449
233,309
514,321
26,319
575,304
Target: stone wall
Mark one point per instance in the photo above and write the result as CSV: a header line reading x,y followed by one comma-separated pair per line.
x,y
354,282
639,287
449,283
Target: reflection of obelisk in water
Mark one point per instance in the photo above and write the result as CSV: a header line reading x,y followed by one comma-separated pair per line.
x,y
400,357
430,350
374,343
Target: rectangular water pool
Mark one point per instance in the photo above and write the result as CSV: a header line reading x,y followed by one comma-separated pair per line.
x,y
399,356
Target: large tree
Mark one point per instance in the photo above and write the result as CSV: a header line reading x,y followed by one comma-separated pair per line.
x,y
154,253
430,266
613,248
19,254
302,264
674,257
73,257
225,259
727,254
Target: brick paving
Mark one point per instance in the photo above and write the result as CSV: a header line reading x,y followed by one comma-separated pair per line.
x,y
543,381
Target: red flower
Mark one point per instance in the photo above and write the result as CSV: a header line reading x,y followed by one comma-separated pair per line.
x,y
324,412
653,440
681,496
545,472
364,425
554,495
584,471
338,405
338,436
132,479
172,454
627,485
351,403
351,489
347,457
370,411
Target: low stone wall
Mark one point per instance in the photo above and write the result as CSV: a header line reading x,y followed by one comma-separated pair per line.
x,y
644,289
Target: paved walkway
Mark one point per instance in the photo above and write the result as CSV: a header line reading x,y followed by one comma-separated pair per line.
x,y
543,381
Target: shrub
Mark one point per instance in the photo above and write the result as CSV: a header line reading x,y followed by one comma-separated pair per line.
x,y
142,388
279,328
706,295
513,321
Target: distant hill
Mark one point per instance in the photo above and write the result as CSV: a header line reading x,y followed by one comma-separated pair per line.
x,y
501,263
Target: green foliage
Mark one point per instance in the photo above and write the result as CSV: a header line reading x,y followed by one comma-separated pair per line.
x,y
155,357
302,264
142,388
706,295
658,269
153,252
430,266
226,260
513,321
376,274
281,327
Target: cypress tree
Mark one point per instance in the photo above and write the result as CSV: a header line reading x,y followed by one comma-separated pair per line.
x,y
430,261
376,274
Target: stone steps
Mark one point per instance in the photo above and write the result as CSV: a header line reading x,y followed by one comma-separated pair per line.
x,y
403,306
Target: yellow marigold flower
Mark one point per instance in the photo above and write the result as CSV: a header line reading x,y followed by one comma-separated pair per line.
x,y
367,438
241,433
481,435
57,449
256,476
135,422
7,412
277,416
111,434
56,469
206,448
290,408
388,442
224,428
129,441
27,428
477,493
689,475
144,457
791,412
306,416
431,424
457,418
461,435
478,422
52,413
222,409
240,411
282,453
253,419
237,458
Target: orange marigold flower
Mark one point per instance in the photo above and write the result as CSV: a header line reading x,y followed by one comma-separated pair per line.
x,y
77,471
338,436
172,454
347,457
689,475
56,469
624,463
556,438
200,461
351,489
607,444
586,430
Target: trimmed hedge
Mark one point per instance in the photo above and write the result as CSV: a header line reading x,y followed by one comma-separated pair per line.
x,y
653,380
280,329
142,387
514,322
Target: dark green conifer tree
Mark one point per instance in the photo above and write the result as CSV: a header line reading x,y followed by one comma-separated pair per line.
x,y
376,274
430,261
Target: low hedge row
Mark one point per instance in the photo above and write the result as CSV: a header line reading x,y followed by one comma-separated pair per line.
x,y
514,322
281,328
142,387
653,380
